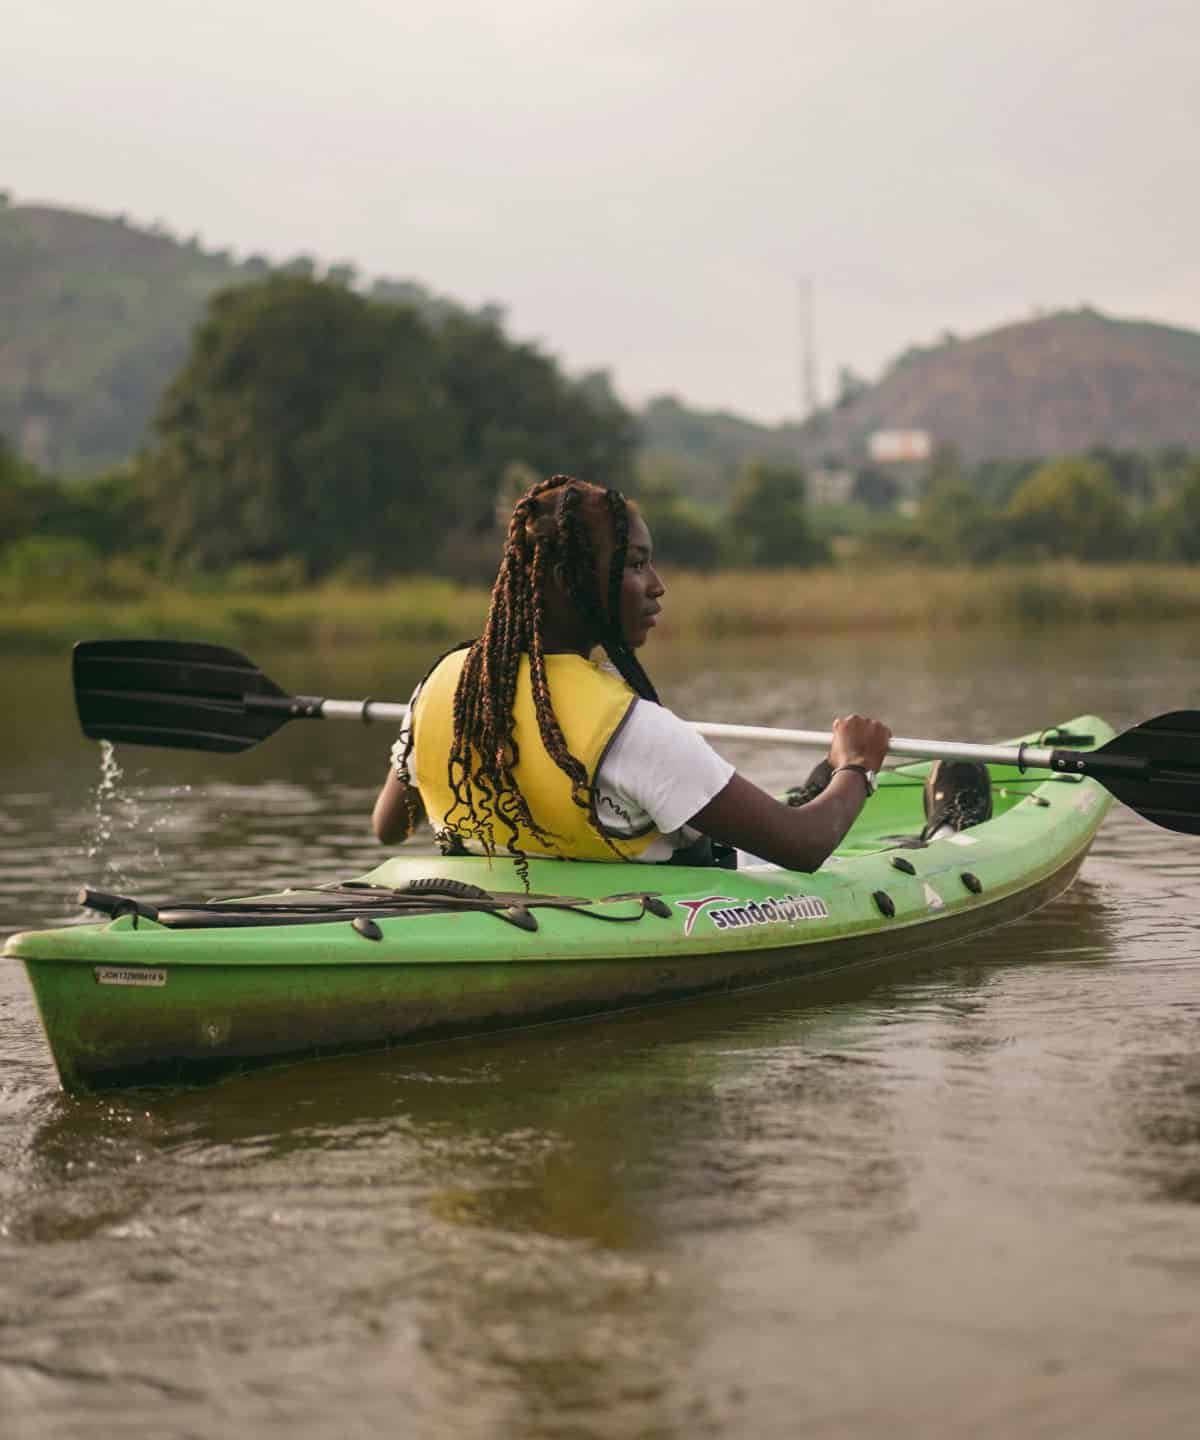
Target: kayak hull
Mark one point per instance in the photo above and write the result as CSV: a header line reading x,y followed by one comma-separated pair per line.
x,y
132,1001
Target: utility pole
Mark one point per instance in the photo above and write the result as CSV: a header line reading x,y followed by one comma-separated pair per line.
x,y
806,321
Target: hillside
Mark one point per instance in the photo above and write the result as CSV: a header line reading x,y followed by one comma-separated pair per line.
x,y
95,318
1059,384
702,450
95,315
1050,386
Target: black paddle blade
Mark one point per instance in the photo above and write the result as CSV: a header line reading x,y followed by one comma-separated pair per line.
x,y
165,692
1168,793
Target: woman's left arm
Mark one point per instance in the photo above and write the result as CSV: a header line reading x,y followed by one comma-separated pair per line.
x,y
398,811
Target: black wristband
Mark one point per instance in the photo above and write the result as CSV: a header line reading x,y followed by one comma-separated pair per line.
x,y
868,778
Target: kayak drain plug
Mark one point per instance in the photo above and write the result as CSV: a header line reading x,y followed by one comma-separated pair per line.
x,y
366,927
973,883
887,906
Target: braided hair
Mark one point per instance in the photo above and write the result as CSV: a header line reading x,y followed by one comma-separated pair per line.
x,y
558,528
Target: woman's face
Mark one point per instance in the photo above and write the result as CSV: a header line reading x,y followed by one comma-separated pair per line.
x,y
641,589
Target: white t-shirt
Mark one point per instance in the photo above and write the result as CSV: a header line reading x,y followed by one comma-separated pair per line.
x,y
657,770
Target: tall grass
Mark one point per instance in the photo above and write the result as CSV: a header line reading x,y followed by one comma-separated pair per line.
x,y
927,597
732,604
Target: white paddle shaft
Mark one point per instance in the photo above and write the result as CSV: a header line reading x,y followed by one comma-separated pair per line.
x,y
1030,757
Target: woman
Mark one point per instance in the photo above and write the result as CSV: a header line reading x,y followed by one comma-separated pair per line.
x,y
520,743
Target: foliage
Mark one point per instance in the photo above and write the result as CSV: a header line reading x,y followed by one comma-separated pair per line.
x,y
95,317
685,534
997,481
768,521
954,524
1071,508
307,421
875,488
1175,524
514,405
106,514
312,421
48,562
706,449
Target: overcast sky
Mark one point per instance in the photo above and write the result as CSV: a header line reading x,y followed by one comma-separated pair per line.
x,y
642,183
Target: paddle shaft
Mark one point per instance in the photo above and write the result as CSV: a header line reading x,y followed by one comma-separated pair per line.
x,y
1025,757
189,695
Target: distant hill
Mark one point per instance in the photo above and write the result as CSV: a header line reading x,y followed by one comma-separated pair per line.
x,y
702,450
96,313
95,318
1055,385
1059,384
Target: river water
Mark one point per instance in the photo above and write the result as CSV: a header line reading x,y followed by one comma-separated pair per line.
x,y
960,1198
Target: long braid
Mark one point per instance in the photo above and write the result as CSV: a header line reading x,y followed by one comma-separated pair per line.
x,y
483,752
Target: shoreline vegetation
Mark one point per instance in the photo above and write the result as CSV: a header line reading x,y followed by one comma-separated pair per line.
x,y
723,605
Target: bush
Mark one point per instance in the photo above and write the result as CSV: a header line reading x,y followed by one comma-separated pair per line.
x,y
44,562
1174,527
768,520
1072,508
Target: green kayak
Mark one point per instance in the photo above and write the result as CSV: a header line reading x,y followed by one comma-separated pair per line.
x,y
426,948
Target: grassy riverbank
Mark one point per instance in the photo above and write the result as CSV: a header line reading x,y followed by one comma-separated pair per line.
x,y
731,604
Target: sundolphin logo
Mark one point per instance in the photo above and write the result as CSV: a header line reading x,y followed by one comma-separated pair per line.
x,y
734,914
695,907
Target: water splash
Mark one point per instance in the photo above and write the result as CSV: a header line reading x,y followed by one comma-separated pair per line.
x,y
126,832
106,798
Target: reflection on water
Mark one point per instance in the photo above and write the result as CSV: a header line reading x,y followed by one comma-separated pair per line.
x,y
952,1197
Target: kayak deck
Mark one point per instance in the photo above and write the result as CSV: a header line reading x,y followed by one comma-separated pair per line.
x,y
425,948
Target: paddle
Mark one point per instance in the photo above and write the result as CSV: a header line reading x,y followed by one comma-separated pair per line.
x,y
207,697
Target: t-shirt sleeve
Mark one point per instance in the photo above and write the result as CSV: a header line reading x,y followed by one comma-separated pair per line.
x,y
663,766
406,726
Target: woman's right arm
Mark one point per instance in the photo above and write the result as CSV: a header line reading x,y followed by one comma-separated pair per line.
x,y
799,837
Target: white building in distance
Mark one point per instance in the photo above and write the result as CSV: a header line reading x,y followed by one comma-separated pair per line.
x,y
900,447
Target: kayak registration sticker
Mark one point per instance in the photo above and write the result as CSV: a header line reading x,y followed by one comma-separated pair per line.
x,y
782,909
128,975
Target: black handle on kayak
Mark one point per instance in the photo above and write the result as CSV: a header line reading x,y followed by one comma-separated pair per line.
x,y
115,905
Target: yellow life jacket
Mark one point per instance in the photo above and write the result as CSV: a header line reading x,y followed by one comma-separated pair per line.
x,y
590,704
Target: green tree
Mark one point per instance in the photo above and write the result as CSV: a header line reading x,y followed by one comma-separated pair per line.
x,y
514,405
685,534
1071,507
315,422
768,520
23,496
1176,522
307,421
954,523
875,488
